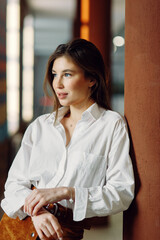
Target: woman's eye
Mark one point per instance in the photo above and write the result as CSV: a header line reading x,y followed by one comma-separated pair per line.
x,y
54,75
67,75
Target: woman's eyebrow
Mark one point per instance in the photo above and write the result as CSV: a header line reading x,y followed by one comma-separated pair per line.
x,y
68,70
65,70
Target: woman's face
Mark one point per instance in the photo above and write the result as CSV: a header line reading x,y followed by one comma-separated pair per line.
x,y
69,83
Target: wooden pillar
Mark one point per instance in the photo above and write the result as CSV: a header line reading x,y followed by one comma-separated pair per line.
x,y
142,111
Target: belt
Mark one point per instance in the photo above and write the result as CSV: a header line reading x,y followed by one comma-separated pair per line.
x,y
65,216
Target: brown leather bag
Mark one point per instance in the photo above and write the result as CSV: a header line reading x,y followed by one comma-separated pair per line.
x,y
15,229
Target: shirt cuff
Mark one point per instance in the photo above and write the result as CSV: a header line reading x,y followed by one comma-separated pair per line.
x,y
10,212
80,206
13,207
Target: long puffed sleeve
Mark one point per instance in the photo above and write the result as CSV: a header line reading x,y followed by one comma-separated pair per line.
x,y
118,191
18,186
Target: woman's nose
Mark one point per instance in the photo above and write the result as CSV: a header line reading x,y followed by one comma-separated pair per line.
x,y
58,82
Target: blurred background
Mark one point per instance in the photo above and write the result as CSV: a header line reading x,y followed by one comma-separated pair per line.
x,y
30,30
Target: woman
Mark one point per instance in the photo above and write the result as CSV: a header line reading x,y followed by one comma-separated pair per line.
x,y
77,156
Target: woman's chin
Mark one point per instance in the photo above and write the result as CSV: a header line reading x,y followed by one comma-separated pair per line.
x,y
64,104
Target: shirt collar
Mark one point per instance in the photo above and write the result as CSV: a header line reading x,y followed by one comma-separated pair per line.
x,y
92,113
61,112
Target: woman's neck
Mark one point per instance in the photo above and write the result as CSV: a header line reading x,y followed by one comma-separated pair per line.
x,y
76,112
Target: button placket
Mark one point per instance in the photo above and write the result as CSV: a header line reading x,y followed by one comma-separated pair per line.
x,y
60,172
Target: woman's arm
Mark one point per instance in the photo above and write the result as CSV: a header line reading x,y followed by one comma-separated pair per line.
x,y
41,197
115,196
118,190
18,185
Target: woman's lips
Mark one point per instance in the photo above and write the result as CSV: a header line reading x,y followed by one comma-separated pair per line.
x,y
62,95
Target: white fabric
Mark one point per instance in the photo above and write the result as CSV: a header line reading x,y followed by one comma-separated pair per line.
x,y
96,163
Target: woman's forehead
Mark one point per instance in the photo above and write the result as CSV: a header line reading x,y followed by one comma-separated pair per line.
x,y
64,62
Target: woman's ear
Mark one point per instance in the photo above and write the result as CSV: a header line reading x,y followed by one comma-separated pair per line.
x,y
92,82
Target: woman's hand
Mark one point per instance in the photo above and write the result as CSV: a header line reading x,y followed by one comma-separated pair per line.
x,y
41,197
47,225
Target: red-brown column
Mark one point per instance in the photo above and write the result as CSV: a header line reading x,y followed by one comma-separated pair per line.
x,y
142,110
99,27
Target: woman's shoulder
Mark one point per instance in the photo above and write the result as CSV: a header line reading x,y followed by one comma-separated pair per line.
x,y
41,121
114,118
47,117
113,115
44,118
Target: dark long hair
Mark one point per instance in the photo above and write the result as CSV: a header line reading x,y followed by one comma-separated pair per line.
x,y
87,56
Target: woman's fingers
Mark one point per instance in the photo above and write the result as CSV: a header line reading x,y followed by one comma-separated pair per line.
x,y
34,202
31,196
32,206
40,234
29,200
51,227
47,226
41,197
36,208
46,231
57,227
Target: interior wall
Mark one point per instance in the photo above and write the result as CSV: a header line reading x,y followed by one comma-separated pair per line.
x,y
3,121
3,115
49,32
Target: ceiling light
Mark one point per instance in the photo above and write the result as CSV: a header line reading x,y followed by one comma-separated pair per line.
x,y
118,41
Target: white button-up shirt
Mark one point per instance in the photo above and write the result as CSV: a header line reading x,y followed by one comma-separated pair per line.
x,y
96,163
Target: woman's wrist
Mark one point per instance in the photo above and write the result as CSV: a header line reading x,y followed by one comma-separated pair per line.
x,y
68,193
71,194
